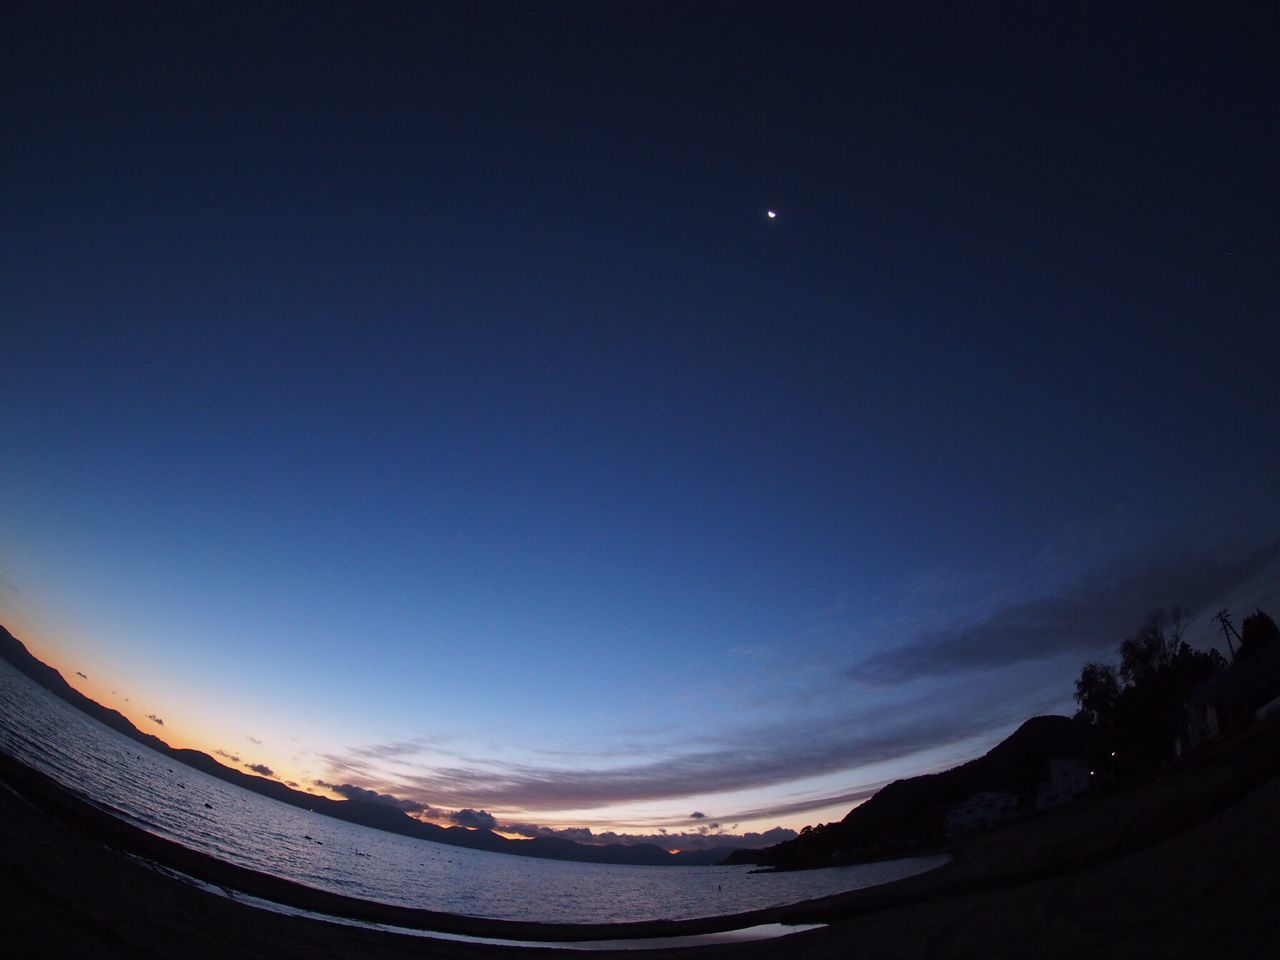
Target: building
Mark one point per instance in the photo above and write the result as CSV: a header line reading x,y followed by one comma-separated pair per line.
x,y
1232,699
982,810
1065,779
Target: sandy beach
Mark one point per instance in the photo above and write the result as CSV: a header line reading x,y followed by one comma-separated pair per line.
x,y
1181,865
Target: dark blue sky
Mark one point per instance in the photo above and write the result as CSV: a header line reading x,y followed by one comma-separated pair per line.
x,y
378,375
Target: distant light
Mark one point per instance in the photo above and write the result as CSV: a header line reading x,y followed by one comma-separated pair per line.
x,y
772,214
1113,753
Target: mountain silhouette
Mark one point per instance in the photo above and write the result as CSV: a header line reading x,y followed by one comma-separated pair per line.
x,y
911,814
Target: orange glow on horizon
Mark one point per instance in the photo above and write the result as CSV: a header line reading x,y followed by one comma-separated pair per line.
x,y
107,684
104,690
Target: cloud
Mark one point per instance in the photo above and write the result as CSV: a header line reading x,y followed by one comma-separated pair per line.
x,y
704,840
152,717
261,769
81,675
749,759
793,807
697,815
387,751
708,837
770,837
254,740
1093,614
230,756
577,834
352,792
466,817
479,819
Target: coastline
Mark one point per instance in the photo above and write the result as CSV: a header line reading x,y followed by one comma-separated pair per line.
x,y
1180,863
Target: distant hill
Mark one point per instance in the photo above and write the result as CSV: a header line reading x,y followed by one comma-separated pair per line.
x,y
910,815
380,816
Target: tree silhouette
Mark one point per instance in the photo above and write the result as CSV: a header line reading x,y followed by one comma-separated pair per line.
x,y
1097,691
1258,633
1139,707
1154,647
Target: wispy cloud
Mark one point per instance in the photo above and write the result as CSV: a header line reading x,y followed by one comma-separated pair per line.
x,y
230,756
154,719
751,760
791,808
1091,615
261,769
387,751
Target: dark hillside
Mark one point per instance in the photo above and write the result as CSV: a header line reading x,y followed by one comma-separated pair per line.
x,y
910,815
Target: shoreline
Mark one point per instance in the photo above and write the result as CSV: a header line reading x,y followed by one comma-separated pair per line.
x,y
1181,862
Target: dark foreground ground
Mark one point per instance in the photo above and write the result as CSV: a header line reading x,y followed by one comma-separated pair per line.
x,y
1186,865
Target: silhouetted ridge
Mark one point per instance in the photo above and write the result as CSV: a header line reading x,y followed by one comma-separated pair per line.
x,y
911,814
1014,765
13,650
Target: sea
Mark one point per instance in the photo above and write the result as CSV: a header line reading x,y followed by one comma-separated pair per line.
x,y
197,811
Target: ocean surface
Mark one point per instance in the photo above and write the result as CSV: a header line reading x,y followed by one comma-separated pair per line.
x,y
169,799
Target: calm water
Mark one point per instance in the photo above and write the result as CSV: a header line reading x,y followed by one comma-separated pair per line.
x,y
169,799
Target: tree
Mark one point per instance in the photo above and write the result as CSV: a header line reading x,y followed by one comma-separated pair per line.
x,y
1140,706
1097,691
1152,650
1258,633
1190,667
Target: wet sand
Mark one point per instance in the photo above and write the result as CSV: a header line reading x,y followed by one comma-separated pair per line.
x,y
1186,864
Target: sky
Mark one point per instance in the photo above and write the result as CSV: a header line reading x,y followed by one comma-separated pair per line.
x,y
419,398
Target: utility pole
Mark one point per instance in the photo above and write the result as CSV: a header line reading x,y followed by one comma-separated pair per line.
x,y
1224,618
